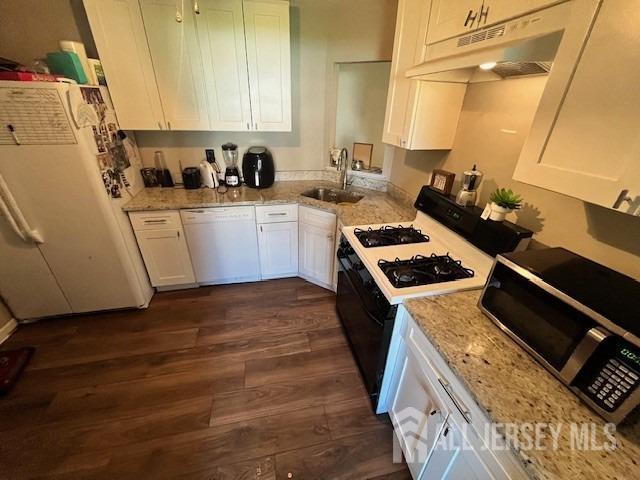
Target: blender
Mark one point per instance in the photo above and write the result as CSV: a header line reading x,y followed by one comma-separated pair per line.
x,y
468,195
230,157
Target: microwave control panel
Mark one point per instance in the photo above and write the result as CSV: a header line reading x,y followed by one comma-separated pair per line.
x,y
614,378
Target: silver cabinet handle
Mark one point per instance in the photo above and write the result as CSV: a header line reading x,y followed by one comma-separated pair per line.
x,y
276,214
196,7
459,405
148,222
255,126
169,125
623,197
248,127
159,125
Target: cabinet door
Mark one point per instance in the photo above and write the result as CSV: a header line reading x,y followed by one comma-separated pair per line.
x,y
407,46
278,244
450,18
266,26
417,412
583,141
166,256
454,458
177,63
494,11
119,34
220,26
316,254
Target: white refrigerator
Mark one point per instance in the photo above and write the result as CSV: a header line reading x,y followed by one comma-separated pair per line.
x,y
66,246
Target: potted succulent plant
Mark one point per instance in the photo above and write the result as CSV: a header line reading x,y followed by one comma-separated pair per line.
x,y
503,202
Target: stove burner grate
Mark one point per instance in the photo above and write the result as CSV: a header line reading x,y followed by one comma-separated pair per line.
x,y
389,235
421,270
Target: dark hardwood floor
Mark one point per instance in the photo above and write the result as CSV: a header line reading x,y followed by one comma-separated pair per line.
x,y
251,381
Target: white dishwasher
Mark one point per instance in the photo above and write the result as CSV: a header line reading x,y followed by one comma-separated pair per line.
x,y
223,243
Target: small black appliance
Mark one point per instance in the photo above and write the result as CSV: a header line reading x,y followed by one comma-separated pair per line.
x,y
230,156
191,178
257,168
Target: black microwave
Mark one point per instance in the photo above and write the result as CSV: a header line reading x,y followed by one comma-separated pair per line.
x,y
579,319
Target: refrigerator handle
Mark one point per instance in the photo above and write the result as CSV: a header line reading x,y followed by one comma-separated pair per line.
x,y
15,217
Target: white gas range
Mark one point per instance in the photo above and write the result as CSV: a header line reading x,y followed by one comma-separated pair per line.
x,y
445,249
441,242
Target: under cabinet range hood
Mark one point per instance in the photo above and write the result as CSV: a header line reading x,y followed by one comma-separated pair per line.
x,y
526,45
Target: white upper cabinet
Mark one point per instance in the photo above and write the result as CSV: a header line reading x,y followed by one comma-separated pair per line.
x,y
177,63
419,115
450,18
118,31
220,27
583,141
266,26
220,65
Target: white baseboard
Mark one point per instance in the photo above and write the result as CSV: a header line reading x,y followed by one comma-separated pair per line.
x,y
7,329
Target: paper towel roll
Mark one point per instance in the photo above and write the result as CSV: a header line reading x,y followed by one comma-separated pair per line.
x,y
78,48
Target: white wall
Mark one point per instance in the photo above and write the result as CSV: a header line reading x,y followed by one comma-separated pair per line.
x,y
323,32
491,113
362,99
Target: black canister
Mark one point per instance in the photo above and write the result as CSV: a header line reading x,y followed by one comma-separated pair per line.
x,y
191,178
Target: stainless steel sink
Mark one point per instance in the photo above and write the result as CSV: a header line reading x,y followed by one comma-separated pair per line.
x,y
333,196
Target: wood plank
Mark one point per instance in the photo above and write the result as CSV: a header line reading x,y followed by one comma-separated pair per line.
x,y
355,457
301,365
285,397
258,469
220,445
128,399
59,442
353,421
253,322
327,337
122,369
101,347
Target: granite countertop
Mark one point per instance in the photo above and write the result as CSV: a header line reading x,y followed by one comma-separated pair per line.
x,y
511,387
375,207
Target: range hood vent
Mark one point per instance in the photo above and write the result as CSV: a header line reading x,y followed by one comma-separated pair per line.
x,y
482,36
521,69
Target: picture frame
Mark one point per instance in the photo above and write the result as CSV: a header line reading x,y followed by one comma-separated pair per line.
x,y
362,152
442,181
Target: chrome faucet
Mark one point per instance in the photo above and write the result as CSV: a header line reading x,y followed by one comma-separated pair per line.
x,y
342,166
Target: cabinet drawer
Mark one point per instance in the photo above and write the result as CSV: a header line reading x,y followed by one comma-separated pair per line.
x,y
277,213
318,218
157,220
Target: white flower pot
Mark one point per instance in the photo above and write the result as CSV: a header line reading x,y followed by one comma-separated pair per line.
x,y
498,213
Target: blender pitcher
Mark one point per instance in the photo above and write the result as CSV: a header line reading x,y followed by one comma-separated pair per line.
x,y
230,156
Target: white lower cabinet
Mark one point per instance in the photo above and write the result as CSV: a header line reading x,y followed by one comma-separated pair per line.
x,y
316,234
278,244
434,417
164,249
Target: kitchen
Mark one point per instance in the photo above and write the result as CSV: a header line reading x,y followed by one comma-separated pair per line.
x,y
234,361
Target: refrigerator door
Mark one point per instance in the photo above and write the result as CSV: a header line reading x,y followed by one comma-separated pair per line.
x,y
59,190
26,283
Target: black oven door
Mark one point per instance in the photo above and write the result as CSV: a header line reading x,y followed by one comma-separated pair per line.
x,y
368,334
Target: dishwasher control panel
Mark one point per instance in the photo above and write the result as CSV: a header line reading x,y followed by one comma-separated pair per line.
x,y
206,215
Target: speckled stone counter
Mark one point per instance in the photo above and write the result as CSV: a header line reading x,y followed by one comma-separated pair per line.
x,y
512,388
375,207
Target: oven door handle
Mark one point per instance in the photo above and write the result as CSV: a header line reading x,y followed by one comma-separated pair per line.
x,y
362,302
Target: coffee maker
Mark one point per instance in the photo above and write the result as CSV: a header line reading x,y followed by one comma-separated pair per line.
x,y
468,195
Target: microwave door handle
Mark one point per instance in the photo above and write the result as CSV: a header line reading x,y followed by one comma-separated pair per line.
x,y
12,212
